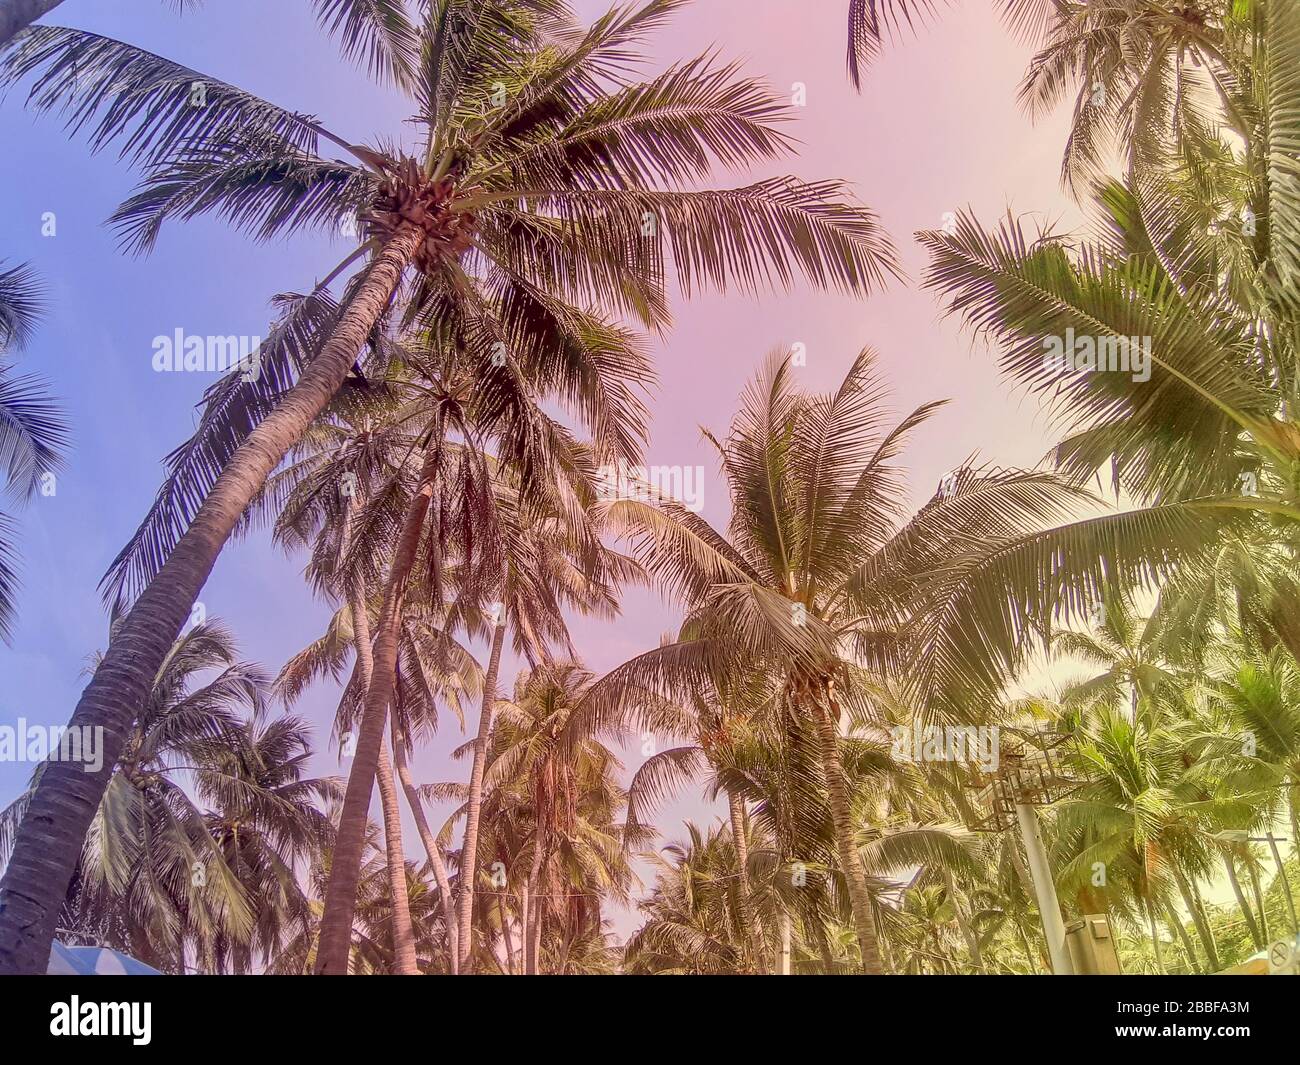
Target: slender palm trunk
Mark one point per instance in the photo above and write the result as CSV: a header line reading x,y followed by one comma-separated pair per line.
x,y
1295,817
48,842
532,935
850,860
743,894
1180,931
16,15
431,849
1029,952
1196,907
1258,892
1155,936
404,959
1242,905
474,805
505,935
345,870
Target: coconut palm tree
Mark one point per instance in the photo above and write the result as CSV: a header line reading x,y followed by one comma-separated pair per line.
x,y
568,783
264,816
712,726
372,939
1145,75
570,191
1129,652
821,582
204,871
360,452
692,926
33,433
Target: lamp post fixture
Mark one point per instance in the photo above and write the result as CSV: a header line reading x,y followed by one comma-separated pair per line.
x,y
1027,776
1238,835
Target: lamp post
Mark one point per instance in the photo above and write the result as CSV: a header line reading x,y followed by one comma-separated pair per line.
x,y
1049,907
1237,835
1027,776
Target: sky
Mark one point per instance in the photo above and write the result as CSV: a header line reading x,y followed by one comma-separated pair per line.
x,y
936,128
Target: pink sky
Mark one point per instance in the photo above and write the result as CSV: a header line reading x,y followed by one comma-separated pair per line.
x,y
936,128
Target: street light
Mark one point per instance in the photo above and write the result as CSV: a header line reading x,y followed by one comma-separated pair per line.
x,y
1240,835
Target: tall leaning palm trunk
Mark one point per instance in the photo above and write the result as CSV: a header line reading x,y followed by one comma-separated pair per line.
x,y
17,15
345,868
404,958
49,839
474,804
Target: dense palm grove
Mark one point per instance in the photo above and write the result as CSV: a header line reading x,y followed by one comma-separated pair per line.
x,y
428,428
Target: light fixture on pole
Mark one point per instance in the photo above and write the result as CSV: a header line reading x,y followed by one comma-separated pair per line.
x,y
1240,835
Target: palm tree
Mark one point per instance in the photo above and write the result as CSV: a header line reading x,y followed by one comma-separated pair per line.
x,y
1129,651
568,783
1147,76
712,727
340,463
553,199
692,924
33,433
264,818
821,583
371,951
1263,697
209,870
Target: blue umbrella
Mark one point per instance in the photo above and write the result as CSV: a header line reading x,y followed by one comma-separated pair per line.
x,y
94,961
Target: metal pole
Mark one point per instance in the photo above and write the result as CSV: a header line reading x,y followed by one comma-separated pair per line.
x,y
785,944
1045,889
1286,884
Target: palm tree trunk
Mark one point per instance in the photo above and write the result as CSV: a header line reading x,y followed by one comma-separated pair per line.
x,y
16,15
1241,901
1029,952
474,805
431,849
743,903
1294,797
49,840
1155,936
855,875
345,869
404,959
1196,906
1259,896
1179,929
505,934
532,933
525,923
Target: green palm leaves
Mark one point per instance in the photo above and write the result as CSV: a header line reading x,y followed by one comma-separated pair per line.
x,y
33,433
